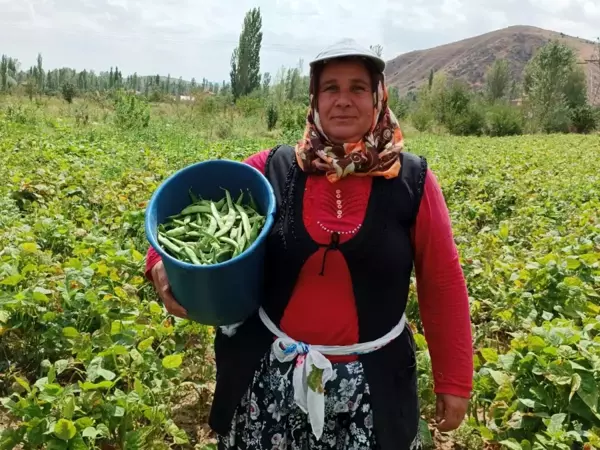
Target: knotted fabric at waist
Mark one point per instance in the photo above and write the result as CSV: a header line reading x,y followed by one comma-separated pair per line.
x,y
313,369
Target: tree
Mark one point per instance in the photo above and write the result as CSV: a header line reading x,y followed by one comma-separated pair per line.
x,y
497,81
377,49
430,79
40,73
4,73
554,87
68,91
266,83
245,59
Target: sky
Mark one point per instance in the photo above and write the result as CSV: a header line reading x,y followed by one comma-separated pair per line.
x,y
195,38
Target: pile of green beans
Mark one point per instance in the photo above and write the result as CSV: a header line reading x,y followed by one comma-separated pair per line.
x,y
208,232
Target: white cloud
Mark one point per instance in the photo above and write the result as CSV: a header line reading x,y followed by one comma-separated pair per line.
x,y
192,38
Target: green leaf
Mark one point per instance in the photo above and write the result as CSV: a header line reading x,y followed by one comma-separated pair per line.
x,y
103,430
504,230
512,444
507,361
573,263
51,374
575,385
145,344
172,361
70,332
134,440
155,309
12,280
55,444
425,434
39,296
23,383
64,429
119,411
536,343
420,341
116,327
179,436
486,433
556,422
77,443
95,370
61,365
29,247
500,378
87,386
138,387
490,355
69,408
90,432
588,390
528,402
84,422
4,316
115,350
136,357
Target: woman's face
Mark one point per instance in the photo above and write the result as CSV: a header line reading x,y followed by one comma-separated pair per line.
x,y
345,101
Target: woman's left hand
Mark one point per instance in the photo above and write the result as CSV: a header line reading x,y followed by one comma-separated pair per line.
x,y
450,411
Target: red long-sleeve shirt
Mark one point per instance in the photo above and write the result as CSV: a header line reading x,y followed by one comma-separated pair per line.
x,y
322,308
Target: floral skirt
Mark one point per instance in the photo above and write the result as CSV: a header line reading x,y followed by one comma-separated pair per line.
x,y
268,418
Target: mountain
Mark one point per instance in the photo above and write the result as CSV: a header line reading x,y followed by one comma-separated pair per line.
x,y
469,59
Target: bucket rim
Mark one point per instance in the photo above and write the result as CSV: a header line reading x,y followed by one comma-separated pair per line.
x,y
258,241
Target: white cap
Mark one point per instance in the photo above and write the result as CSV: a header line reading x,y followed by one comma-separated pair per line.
x,y
348,47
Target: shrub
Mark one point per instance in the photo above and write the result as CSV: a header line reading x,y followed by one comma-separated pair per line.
x,y
249,106
131,112
504,120
471,122
584,119
422,119
21,114
68,92
272,116
557,119
293,120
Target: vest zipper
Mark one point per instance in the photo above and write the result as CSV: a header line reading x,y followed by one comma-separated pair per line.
x,y
333,245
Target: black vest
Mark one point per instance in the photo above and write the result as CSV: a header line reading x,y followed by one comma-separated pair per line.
x,y
380,261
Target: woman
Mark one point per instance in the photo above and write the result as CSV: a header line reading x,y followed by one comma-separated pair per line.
x,y
355,215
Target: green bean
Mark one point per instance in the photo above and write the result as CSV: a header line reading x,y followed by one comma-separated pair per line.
x,y
193,197
220,203
216,215
209,231
193,209
252,202
240,199
245,221
212,227
167,243
229,241
254,231
229,221
190,253
177,231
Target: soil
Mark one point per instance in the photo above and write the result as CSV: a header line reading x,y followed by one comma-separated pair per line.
x,y
190,413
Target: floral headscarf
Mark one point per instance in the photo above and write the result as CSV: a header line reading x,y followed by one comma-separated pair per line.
x,y
376,154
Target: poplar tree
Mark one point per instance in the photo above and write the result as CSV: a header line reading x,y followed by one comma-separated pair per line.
x,y
245,60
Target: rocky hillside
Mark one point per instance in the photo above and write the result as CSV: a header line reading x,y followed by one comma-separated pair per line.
x,y
470,59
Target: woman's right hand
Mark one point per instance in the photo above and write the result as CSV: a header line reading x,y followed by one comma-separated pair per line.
x,y
161,284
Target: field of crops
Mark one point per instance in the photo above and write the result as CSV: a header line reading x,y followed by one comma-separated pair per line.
x,y
89,359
